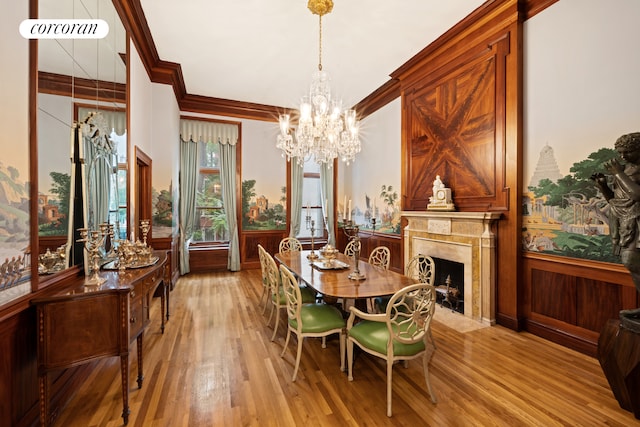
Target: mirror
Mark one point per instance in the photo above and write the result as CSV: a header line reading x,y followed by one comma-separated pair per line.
x,y
81,86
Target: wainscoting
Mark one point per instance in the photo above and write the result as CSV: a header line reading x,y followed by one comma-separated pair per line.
x,y
568,300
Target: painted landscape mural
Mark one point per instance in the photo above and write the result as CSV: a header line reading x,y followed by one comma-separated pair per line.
x,y
377,211
567,215
260,212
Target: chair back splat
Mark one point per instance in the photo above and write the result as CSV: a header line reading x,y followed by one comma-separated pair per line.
x,y
380,257
289,244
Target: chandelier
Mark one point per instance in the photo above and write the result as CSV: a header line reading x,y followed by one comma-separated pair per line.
x,y
324,130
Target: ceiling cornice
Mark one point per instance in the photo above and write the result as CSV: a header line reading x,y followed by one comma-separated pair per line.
x,y
378,98
228,107
166,72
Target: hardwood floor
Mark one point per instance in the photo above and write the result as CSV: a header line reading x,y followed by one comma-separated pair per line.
x,y
216,366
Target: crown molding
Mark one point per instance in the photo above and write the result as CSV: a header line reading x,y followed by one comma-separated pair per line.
x,y
166,72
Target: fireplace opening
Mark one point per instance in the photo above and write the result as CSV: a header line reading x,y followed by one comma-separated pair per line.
x,y
449,282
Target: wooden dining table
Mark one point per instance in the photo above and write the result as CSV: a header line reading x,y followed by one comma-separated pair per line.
x,y
333,281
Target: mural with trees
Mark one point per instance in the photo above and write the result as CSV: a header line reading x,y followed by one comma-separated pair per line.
x,y
258,213
54,213
384,207
569,217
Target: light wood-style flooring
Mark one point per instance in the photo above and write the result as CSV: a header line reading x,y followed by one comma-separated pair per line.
x,y
216,366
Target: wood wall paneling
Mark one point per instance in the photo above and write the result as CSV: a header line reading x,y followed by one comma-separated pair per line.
x,y
569,301
597,302
462,119
554,295
270,241
455,131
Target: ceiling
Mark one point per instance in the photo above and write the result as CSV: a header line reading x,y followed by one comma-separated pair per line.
x,y
264,51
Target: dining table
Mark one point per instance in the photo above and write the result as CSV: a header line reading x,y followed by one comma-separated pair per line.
x,y
331,278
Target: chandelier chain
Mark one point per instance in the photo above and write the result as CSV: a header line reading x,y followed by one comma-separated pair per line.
x,y
320,46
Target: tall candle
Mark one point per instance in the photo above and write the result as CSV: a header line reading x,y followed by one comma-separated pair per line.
x,y
344,208
374,207
307,209
349,210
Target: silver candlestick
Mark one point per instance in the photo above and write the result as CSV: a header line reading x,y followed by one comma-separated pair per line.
x,y
93,242
311,225
352,230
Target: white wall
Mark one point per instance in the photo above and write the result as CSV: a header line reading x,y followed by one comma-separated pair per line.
x,y
581,79
165,136
140,124
379,162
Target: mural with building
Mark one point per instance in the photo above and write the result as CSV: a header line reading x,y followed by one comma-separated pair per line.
x,y
565,214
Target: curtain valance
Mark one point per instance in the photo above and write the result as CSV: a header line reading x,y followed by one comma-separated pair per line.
x,y
113,119
206,131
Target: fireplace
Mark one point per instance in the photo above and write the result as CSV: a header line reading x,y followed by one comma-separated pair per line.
x,y
460,237
450,294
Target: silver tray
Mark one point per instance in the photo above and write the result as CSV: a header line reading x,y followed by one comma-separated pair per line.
x,y
112,265
335,265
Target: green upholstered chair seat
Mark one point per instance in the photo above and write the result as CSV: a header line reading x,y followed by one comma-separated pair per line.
x,y
317,318
375,336
308,296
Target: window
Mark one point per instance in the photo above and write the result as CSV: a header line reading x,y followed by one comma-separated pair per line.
x,y
211,221
311,202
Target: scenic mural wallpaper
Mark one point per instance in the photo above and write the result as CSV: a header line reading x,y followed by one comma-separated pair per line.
x,y
581,94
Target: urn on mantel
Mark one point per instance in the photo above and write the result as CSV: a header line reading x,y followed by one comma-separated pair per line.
x,y
441,199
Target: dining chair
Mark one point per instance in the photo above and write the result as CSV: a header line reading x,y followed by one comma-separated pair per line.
x,y
351,247
265,277
309,320
278,298
380,257
401,333
289,244
420,268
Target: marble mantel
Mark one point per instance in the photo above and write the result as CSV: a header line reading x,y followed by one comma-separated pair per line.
x,y
464,237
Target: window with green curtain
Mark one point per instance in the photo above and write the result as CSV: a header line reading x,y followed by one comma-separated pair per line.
x,y
211,222
311,202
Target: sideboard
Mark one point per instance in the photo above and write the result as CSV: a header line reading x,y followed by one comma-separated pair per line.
x,y
82,323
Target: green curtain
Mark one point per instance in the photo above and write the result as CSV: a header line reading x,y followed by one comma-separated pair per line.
x,y
228,178
326,188
297,178
187,201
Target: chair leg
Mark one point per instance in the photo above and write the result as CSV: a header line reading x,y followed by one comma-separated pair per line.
x,y
430,349
270,314
431,338
324,342
299,353
275,324
265,298
342,339
389,383
350,358
286,342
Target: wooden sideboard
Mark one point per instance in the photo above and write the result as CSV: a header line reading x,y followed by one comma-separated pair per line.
x,y
80,324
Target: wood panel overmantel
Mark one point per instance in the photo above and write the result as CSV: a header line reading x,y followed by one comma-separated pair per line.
x,y
462,119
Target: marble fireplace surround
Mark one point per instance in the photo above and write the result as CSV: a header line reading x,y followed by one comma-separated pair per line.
x,y
464,237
